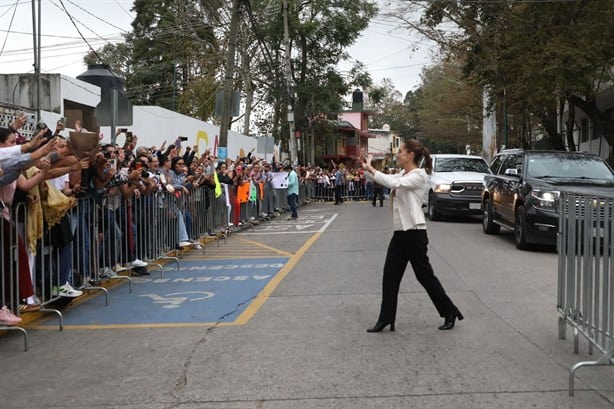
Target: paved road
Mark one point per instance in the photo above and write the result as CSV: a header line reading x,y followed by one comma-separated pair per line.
x,y
304,345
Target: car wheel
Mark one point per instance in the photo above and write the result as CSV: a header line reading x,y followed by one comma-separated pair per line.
x,y
488,225
432,211
520,229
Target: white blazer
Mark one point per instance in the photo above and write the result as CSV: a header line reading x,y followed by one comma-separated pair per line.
x,y
407,200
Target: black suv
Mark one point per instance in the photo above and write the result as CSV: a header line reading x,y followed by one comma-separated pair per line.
x,y
523,191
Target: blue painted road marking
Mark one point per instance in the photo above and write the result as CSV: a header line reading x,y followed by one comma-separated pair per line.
x,y
202,291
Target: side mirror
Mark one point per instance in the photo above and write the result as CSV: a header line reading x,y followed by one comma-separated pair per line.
x,y
512,172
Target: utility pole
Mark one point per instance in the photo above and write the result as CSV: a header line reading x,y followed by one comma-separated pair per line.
x,y
36,36
289,86
229,74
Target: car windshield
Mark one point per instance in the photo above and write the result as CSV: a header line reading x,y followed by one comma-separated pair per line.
x,y
461,165
569,167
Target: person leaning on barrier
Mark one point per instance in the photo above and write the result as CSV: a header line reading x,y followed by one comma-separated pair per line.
x,y
27,297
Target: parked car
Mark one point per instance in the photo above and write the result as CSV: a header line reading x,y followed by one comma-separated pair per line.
x,y
455,185
523,192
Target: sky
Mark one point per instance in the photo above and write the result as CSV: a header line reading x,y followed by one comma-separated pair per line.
x,y
387,52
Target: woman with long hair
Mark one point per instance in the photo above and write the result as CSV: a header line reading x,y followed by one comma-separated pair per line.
x,y
409,240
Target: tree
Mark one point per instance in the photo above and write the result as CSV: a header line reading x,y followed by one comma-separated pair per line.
x,y
532,55
450,110
320,31
172,56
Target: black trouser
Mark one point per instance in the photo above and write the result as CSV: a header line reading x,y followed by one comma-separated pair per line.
x,y
378,191
410,246
338,192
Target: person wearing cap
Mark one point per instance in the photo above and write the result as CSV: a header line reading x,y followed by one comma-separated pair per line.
x,y
292,192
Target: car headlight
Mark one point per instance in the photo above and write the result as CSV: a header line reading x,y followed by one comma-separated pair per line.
x,y
442,188
546,199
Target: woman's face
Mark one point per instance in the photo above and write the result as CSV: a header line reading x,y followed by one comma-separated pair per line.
x,y
404,157
10,140
180,166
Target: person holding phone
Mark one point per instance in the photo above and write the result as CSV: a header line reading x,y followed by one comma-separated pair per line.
x,y
409,240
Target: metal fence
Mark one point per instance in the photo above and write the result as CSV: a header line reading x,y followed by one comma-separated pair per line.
x,y
105,236
585,289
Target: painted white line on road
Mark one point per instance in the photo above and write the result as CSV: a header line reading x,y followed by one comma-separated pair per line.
x,y
268,233
280,232
329,222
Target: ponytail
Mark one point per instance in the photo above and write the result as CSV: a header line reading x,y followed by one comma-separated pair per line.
x,y
421,154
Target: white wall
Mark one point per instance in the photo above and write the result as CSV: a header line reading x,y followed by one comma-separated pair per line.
x,y
153,125
79,91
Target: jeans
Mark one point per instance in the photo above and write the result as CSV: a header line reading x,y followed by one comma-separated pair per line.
x,y
293,203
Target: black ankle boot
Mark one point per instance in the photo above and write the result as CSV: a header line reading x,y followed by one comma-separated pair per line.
x,y
450,319
380,325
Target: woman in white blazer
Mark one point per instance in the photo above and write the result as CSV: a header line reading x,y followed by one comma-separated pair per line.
x,y
409,240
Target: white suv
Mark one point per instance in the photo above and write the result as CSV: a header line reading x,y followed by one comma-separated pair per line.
x,y
455,186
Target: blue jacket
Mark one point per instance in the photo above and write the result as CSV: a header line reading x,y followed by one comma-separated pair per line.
x,y
292,183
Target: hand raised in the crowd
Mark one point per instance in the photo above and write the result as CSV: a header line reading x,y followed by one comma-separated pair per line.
x,y
20,121
43,163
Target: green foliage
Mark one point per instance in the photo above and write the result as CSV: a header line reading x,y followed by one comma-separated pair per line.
x,y
532,55
172,48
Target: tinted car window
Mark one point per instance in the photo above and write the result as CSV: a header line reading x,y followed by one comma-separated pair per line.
x,y
574,166
512,162
496,164
461,165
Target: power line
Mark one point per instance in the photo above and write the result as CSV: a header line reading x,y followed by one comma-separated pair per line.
x,y
122,7
10,25
96,17
51,35
77,28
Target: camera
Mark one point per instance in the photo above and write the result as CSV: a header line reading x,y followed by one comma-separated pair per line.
x,y
146,174
40,126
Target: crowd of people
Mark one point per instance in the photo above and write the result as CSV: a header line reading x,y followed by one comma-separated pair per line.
x,y
57,182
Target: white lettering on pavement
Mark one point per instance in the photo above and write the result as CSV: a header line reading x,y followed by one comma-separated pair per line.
x,y
204,279
231,267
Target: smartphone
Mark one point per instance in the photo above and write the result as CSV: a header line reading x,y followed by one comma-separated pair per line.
x,y
183,138
123,130
138,165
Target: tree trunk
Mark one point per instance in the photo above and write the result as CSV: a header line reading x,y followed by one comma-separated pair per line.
x,y
570,125
548,120
603,124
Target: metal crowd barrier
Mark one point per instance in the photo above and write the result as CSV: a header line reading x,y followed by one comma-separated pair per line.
x,y
9,276
354,190
585,285
104,233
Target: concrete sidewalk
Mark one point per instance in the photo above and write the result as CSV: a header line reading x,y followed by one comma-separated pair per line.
x,y
307,346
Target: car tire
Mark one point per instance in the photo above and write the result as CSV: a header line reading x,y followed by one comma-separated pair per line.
x,y
432,211
488,224
520,229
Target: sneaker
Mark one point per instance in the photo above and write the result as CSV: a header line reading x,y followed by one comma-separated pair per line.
x,y
140,271
185,244
107,272
7,318
197,246
23,308
66,290
137,263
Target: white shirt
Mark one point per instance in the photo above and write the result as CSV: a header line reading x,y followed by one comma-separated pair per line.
x,y
409,188
60,181
10,152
